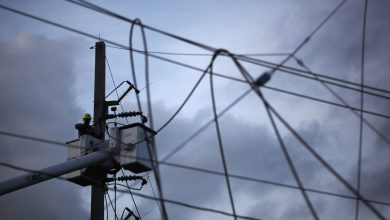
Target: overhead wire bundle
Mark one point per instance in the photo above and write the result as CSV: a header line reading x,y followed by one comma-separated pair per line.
x,y
254,84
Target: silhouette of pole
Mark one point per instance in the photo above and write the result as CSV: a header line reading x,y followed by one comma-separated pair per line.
x,y
99,112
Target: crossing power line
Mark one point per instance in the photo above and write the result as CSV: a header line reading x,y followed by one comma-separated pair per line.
x,y
250,81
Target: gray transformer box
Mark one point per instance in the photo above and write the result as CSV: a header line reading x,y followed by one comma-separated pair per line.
x,y
130,144
80,147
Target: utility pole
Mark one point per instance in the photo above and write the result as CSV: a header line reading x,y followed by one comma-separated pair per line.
x,y
86,166
99,113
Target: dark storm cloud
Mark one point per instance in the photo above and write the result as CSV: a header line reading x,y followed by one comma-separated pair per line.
x,y
36,81
253,150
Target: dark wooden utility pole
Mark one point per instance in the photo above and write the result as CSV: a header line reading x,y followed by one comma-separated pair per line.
x,y
99,112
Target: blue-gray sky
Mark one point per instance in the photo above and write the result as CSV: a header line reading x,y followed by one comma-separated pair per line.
x,y
47,83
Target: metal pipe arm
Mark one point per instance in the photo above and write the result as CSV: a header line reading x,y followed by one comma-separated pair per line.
x,y
53,171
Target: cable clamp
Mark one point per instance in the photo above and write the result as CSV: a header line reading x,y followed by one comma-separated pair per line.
x,y
263,79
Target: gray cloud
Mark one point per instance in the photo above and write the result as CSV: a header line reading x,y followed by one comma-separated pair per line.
x,y
36,79
251,148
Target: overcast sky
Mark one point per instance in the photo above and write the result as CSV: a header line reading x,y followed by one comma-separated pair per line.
x,y
46,84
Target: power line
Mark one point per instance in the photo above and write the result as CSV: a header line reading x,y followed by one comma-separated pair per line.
x,y
186,99
190,206
151,148
99,9
178,166
131,194
290,163
284,69
112,206
154,195
105,201
333,12
197,132
303,142
325,164
220,144
239,177
198,54
361,108
137,194
353,110
124,191
116,89
236,101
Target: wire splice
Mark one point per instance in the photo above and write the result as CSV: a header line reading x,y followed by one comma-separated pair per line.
x,y
263,79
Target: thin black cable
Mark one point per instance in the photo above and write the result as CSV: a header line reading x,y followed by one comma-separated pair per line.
x,y
292,71
362,68
325,77
353,110
120,184
186,99
210,172
324,163
105,201
305,144
123,212
220,138
256,180
99,9
154,194
151,148
216,173
131,194
201,129
311,150
113,82
290,163
284,69
163,213
239,177
191,206
197,132
115,187
199,54
109,198
133,71
308,37
206,47
146,61
344,105
317,190
266,87
153,162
